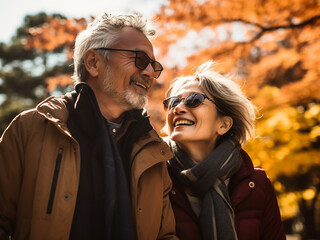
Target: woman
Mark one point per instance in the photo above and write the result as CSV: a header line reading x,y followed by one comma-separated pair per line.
x,y
217,193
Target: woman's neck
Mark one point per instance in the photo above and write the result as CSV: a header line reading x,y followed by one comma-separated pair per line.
x,y
197,151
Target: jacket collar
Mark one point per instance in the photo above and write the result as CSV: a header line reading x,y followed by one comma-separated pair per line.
x,y
54,109
157,151
239,186
246,168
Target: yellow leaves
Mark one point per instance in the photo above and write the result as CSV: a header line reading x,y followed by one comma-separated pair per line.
x,y
281,120
315,133
283,145
268,95
313,112
309,194
288,204
282,153
278,187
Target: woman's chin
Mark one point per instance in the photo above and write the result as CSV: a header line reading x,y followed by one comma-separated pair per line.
x,y
178,137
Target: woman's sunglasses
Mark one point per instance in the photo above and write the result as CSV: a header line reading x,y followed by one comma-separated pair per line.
x,y
192,101
142,60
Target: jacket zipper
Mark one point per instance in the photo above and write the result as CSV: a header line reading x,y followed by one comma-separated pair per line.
x,y
54,181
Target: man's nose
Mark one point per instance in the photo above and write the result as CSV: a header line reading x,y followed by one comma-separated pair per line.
x,y
148,72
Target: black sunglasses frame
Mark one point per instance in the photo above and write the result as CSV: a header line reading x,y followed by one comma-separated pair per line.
x,y
166,102
151,61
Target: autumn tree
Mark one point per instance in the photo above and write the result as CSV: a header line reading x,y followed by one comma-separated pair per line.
x,y
25,69
271,48
56,33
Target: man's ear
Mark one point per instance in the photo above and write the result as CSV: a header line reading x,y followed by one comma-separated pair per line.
x,y
226,124
91,62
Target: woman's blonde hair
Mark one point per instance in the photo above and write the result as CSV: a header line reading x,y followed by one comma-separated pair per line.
x,y
229,98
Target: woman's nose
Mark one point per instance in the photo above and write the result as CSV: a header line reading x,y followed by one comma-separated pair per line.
x,y
179,108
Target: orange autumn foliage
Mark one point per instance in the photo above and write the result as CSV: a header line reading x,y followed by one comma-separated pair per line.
x,y
54,33
59,80
259,43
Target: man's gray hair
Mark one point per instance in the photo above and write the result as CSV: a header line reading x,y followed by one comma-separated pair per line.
x,y
229,98
102,32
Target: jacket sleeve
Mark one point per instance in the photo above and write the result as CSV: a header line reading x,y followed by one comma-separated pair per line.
x,y
272,226
168,225
11,154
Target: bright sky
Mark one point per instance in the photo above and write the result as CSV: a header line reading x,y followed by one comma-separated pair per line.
x,y
12,12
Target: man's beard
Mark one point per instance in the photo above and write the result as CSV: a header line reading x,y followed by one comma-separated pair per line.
x,y
135,100
129,98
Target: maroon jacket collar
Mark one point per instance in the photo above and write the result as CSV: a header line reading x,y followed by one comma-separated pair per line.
x,y
243,176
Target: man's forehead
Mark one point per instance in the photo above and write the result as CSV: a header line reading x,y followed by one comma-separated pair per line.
x,y
133,39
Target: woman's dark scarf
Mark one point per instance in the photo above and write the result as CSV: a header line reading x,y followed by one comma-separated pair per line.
x,y
207,180
99,151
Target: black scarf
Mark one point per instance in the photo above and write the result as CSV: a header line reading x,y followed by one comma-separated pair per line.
x,y
207,180
139,125
99,152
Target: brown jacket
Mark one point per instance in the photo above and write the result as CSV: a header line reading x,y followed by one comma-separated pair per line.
x,y
29,149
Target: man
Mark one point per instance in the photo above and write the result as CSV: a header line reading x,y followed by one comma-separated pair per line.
x,y
88,165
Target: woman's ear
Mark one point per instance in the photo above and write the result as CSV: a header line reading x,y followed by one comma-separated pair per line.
x,y
91,62
226,124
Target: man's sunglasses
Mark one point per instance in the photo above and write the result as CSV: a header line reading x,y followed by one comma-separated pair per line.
x,y
192,101
142,60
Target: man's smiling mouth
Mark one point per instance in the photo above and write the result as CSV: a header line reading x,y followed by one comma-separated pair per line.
x,y
139,84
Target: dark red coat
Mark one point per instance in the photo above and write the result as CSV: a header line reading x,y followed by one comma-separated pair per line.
x,y
253,199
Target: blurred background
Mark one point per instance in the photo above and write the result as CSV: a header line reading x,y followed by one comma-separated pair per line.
x,y
270,47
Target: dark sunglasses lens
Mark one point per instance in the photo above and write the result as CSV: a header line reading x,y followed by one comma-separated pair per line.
x,y
157,67
157,74
142,60
174,101
194,100
170,103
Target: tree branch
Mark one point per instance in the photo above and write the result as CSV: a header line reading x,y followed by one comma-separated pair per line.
x,y
274,28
